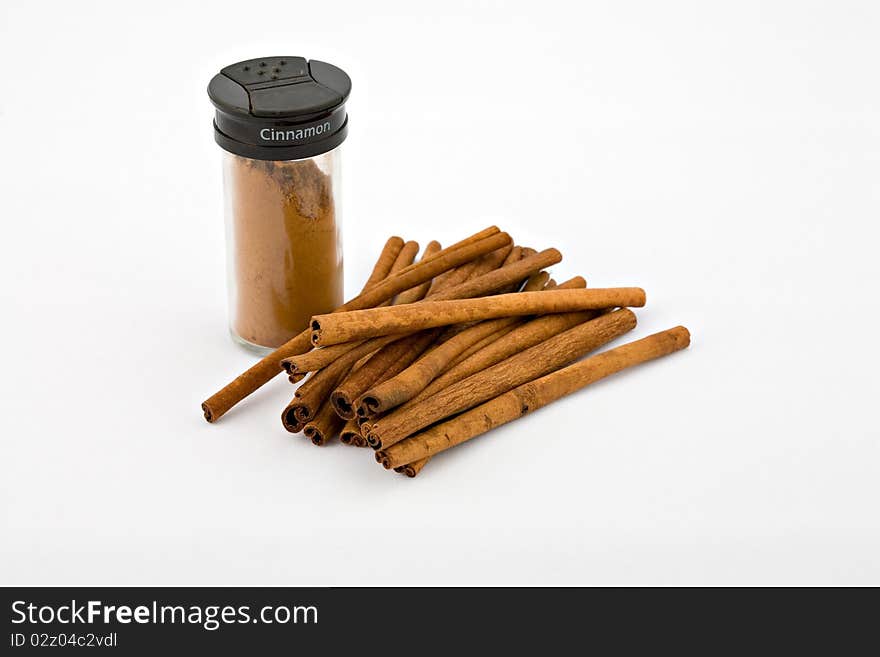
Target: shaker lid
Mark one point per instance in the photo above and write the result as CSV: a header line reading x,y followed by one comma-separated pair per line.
x,y
280,108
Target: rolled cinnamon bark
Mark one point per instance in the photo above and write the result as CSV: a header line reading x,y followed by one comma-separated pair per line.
x,y
536,281
222,401
414,468
409,296
309,397
359,324
532,285
314,392
412,347
397,389
359,381
291,421
425,270
408,383
350,434
484,234
325,426
516,253
470,271
533,395
516,370
519,338
264,370
418,292
405,257
496,279
385,262
485,342
390,359
316,359
486,283
364,424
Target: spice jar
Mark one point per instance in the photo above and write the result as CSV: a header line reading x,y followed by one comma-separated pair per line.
x,y
280,121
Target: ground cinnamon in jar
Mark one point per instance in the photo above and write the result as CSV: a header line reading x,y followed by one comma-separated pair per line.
x,y
286,260
281,121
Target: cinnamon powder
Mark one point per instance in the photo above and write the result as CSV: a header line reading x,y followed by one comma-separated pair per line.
x,y
286,258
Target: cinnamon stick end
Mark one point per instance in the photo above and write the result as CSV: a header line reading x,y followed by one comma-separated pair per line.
x,y
342,405
317,437
681,335
368,406
290,420
209,414
373,440
555,255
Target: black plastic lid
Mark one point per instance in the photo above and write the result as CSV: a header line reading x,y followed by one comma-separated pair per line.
x,y
280,108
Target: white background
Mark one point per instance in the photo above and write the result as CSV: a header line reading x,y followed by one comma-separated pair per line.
x,y
724,156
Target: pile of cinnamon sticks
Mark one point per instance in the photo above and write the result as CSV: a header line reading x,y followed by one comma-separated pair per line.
x,y
437,351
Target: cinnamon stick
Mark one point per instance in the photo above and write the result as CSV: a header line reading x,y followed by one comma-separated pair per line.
x,y
314,392
491,231
219,403
405,258
496,279
350,434
482,344
355,325
418,292
325,426
268,367
485,283
471,271
317,388
500,333
402,387
516,253
385,262
393,357
503,346
535,282
467,270
315,359
359,381
390,360
482,386
531,396
408,383
414,468
426,269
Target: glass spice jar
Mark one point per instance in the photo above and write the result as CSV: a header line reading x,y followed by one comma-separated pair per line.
x,y
281,121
